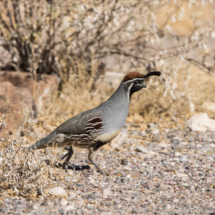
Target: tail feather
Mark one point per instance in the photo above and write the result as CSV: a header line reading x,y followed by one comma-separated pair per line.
x,y
43,142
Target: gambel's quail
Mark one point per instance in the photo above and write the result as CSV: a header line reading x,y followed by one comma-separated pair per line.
x,y
96,127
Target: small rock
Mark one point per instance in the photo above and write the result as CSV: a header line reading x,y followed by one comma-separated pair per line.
x,y
182,144
177,154
72,195
127,168
156,137
68,178
151,144
22,134
190,138
64,202
91,181
121,138
175,141
47,203
183,176
124,162
106,192
1,160
57,191
122,180
201,122
183,159
162,145
79,203
143,149
134,211
155,131
36,207
209,106
209,158
69,207
143,133
152,125
176,200
6,200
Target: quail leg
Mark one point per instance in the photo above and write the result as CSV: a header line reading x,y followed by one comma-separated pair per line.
x,y
91,158
67,156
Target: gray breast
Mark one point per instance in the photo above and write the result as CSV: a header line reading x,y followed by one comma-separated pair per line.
x,y
115,110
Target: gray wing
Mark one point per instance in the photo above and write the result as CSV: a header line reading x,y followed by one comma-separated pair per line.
x,y
78,123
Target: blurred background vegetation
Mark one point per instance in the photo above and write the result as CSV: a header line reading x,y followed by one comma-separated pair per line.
x,y
85,42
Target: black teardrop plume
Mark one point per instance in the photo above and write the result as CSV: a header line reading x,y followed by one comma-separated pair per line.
x,y
152,73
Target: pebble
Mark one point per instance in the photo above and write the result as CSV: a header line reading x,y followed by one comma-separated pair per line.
x,y
143,133
64,202
162,176
162,145
183,159
57,191
152,125
80,201
155,131
182,144
141,148
183,176
121,138
124,162
107,192
1,160
69,208
176,200
127,168
35,207
175,141
156,137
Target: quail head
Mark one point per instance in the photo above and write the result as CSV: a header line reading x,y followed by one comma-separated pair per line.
x,y
96,127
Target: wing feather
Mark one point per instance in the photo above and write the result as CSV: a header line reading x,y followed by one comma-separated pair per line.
x,y
78,123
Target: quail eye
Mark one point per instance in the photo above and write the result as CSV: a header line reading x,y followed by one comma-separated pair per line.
x,y
135,82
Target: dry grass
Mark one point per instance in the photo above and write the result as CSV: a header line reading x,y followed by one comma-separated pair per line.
x,y
23,173
28,174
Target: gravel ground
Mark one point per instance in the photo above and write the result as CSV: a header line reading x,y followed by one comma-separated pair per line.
x,y
154,172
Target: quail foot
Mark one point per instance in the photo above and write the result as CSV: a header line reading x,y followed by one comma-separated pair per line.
x,y
96,127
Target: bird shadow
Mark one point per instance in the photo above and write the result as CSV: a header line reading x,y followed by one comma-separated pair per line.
x,y
69,166
72,166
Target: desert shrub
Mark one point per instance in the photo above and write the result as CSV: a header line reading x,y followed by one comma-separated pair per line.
x,y
26,173
78,40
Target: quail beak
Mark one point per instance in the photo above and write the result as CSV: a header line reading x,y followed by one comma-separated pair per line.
x,y
144,85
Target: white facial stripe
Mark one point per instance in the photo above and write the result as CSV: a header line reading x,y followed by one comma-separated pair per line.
x,y
128,93
135,79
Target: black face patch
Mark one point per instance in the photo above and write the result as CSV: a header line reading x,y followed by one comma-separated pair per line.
x,y
135,88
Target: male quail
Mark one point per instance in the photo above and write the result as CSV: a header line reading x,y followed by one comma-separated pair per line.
x,y
96,127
